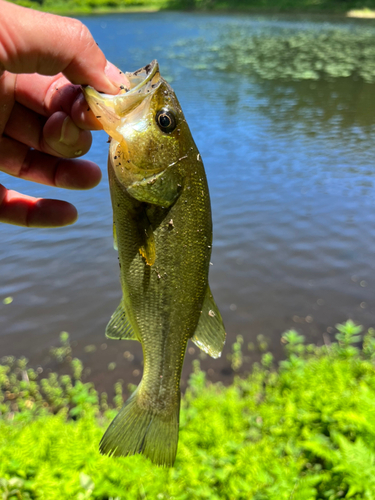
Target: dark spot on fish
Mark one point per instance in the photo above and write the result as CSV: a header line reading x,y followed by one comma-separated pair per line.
x,y
147,68
120,72
153,86
97,116
122,87
88,109
115,157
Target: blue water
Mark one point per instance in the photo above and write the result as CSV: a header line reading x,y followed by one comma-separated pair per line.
x,y
292,191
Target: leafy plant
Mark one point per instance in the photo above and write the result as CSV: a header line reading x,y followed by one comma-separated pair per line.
x,y
304,431
87,6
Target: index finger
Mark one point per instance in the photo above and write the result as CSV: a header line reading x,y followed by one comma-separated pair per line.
x,y
47,94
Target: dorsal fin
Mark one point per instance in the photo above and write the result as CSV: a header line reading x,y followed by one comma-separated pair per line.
x,y
210,333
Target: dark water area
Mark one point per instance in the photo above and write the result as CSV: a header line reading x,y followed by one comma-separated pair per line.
x,y
290,166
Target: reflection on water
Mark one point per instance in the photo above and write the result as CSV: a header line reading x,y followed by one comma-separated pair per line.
x,y
343,103
298,53
290,168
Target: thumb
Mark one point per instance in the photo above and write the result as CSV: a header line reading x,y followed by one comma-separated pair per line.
x,y
37,42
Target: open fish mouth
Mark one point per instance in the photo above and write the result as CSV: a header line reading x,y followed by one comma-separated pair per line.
x,y
141,79
111,110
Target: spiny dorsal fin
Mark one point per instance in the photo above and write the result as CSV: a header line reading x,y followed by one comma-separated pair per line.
x,y
119,326
210,334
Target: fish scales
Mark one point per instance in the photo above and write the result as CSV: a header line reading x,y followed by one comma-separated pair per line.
x,y
160,306
163,232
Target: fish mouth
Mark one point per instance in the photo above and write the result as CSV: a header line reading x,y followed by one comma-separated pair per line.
x,y
111,110
140,79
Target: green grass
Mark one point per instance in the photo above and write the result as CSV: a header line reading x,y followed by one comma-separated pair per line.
x,y
101,6
303,430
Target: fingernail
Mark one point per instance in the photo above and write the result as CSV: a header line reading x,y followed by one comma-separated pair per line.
x,y
69,132
116,76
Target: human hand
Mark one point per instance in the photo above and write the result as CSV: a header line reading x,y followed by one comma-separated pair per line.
x,y
44,120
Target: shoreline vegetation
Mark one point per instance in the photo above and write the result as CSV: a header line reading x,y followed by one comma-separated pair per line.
x,y
348,8
300,429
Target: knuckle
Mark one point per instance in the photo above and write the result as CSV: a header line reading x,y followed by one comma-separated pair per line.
x,y
84,35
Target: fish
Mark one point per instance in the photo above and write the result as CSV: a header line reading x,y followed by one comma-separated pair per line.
x,y
162,228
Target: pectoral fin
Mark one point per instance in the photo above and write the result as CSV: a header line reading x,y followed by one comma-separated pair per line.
x,y
115,246
160,189
147,250
210,334
119,326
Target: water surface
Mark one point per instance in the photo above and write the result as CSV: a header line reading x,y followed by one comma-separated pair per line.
x,y
290,166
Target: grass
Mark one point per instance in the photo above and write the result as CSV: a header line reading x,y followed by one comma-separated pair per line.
x,y
357,8
302,430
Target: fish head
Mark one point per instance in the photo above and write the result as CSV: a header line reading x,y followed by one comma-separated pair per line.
x,y
145,121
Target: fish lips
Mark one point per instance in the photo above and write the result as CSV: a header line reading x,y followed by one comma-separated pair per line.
x,y
111,110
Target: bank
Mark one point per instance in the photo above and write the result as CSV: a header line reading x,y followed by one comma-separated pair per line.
x,y
302,429
355,9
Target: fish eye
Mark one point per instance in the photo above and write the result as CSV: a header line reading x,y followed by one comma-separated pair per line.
x,y
166,120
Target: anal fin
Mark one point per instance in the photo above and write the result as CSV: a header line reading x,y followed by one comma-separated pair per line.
x,y
210,333
147,249
119,326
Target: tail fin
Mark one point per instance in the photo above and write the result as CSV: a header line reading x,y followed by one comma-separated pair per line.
x,y
143,430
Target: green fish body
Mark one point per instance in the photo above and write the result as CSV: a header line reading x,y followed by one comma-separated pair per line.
x,y
163,233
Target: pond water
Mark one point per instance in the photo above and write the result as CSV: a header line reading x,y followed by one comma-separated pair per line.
x,y
290,166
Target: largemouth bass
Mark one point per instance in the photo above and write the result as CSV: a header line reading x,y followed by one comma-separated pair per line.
x,y
163,233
